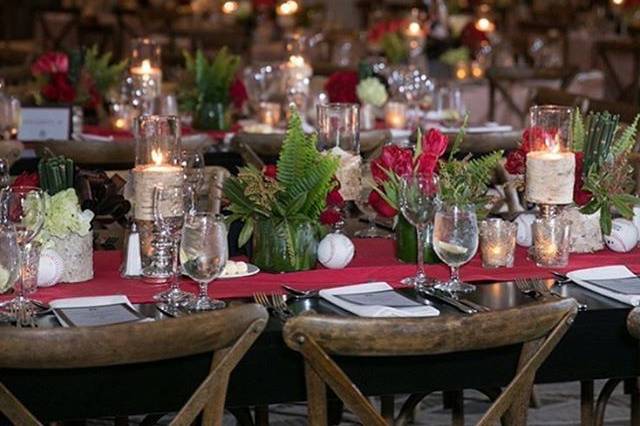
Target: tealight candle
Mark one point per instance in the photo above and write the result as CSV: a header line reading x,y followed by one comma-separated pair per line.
x,y
269,113
497,243
395,115
551,242
476,70
285,12
230,7
461,70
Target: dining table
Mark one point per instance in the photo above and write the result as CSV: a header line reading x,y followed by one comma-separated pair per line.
x,y
597,346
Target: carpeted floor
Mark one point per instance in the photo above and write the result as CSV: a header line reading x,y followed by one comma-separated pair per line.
x,y
559,406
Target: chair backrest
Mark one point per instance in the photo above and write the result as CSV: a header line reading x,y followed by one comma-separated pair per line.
x,y
549,96
537,326
228,334
633,322
621,64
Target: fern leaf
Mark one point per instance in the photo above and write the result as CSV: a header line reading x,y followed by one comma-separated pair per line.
x,y
578,131
297,155
627,140
459,137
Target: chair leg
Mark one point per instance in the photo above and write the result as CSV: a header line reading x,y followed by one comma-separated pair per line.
x,y
586,403
457,409
632,388
262,415
387,408
534,401
603,399
316,397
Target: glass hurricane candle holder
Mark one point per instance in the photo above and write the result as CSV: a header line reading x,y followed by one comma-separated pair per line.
x,y
551,241
497,243
146,71
269,113
395,115
339,127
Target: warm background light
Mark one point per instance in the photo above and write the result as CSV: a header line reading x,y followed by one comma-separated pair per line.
x,y
229,7
288,7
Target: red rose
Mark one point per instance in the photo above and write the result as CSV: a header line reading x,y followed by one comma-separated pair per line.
x,y
50,92
516,162
472,37
580,196
51,63
380,205
26,179
238,93
330,217
393,158
434,142
341,86
426,163
334,198
270,171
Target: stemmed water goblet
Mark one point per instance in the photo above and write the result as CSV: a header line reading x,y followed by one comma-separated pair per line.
x,y
204,253
455,241
418,199
169,206
22,207
194,173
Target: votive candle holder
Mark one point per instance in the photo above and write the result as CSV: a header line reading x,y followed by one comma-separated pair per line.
x,y
497,243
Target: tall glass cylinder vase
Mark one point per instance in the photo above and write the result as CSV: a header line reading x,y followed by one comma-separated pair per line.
x,y
146,72
158,159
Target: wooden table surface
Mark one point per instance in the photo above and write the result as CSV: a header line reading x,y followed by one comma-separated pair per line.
x,y
597,346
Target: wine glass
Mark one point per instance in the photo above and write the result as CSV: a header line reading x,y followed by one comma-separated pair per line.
x,y
203,254
449,105
169,205
9,257
23,207
455,241
362,202
4,174
194,172
418,202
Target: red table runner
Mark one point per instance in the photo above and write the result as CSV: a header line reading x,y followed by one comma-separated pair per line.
x,y
374,261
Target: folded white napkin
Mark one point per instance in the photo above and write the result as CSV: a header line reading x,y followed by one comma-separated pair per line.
x,y
88,137
373,310
83,302
582,276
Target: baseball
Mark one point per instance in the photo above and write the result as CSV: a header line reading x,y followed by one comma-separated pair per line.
x,y
636,219
524,237
335,251
623,237
50,268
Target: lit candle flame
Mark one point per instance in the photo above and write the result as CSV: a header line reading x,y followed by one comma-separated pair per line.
x,y
414,28
288,7
145,68
229,7
617,2
485,25
120,123
296,61
157,157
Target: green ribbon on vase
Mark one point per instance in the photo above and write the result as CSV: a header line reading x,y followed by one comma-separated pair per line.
x,y
407,244
280,246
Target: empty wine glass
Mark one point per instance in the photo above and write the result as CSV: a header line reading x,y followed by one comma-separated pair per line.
x,y
362,202
9,257
455,241
203,254
169,205
23,207
449,105
418,202
4,174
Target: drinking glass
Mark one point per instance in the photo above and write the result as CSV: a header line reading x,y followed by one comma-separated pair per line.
x,y
194,172
9,116
4,174
418,202
168,213
264,82
339,127
449,105
23,207
362,202
455,241
9,257
203,254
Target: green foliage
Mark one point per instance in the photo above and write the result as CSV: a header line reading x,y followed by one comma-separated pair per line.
x,y
208,81
577,128
104,75
452,56
298,194
466,181
627,139
395,48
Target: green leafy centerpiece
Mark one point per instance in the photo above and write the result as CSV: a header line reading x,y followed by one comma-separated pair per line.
x,y
205,93
281,208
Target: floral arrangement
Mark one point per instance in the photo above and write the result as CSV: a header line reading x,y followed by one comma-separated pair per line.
x,y
388,36
363,86
371,91
603,175
341,86
293,192
81,77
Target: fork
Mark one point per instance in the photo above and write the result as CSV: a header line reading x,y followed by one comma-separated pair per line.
x,y
274,303
537,289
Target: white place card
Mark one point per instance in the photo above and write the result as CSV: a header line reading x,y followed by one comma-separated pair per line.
x,y
45,123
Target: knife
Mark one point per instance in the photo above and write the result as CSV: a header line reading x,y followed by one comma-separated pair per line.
x,y
448,300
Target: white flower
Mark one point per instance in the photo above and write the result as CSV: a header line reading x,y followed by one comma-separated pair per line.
x,y
372,91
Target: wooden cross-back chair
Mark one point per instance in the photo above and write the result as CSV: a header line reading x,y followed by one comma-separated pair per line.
x,y
58,28
227,334
625,50
539,327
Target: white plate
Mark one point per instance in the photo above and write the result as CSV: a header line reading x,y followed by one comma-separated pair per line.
x,y
251,270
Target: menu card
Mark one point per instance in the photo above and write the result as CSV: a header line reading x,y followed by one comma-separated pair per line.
x,y
95,311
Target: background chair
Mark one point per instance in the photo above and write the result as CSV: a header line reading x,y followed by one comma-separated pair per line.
x,y
10,151
539,327
227,334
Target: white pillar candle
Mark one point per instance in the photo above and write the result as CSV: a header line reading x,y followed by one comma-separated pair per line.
x,y
550,177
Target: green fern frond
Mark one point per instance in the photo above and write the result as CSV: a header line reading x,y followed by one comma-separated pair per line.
x,y
627,139
578,131
297,155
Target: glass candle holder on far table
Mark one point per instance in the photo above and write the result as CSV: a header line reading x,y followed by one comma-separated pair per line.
x,y
269,113
551,241
146,72
497,243
158,156
395,115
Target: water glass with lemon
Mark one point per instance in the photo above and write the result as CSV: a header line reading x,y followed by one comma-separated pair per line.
x,y
455,241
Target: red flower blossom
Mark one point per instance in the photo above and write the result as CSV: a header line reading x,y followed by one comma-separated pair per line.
x,y
51,63
341,86
393,158
59,89
238,93
472,37
330,216
379,29
26,179
434,142
516,162
334,198
580,196
427,163
270,171
380,205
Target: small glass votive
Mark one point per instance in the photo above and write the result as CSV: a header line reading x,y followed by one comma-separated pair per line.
x,y
30,266
269,113
497,243
395,115
551,240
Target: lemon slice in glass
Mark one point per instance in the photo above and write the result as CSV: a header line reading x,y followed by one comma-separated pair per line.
x,y
451,248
